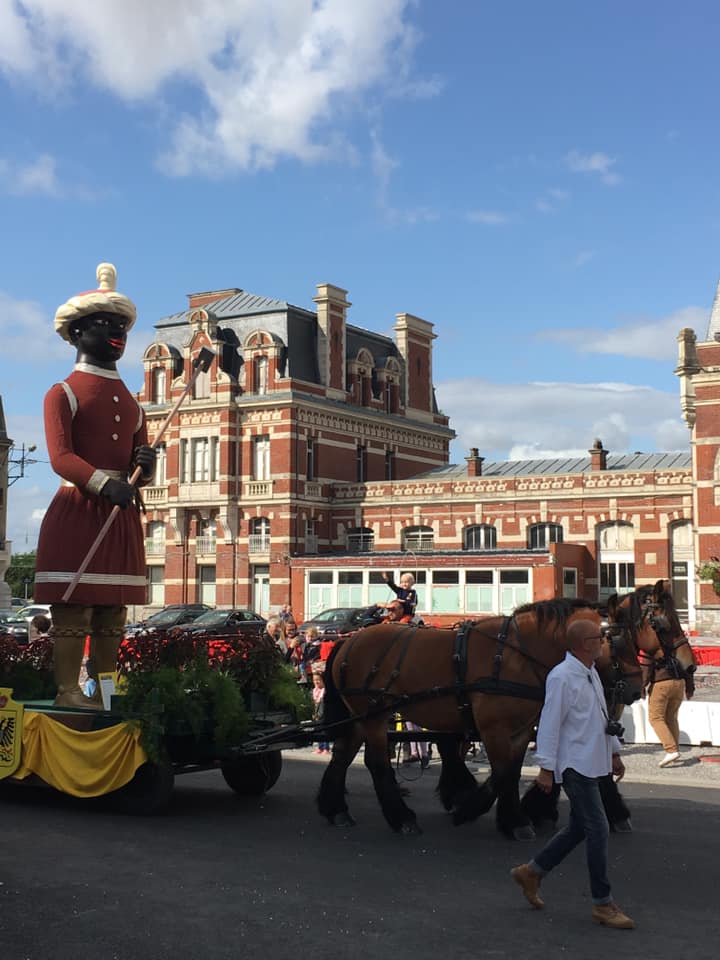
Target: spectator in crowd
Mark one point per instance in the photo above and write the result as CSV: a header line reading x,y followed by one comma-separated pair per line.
x,y
396,613
295,648
286,613
418,748
318,695
406,592
311,650
665,692
91,682
39,627
275,630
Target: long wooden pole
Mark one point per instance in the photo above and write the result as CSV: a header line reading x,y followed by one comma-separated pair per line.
x,y
201,364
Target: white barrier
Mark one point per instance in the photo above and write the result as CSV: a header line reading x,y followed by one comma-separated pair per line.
x,y
699,723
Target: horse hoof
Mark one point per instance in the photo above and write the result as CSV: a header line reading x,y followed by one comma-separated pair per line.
x,y
411,828
622,826
524,834
343,820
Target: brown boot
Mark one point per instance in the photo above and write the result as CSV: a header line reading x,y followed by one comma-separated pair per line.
x,y
610,915
529,880
69,644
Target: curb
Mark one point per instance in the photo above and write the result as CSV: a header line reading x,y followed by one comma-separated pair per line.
x,y
686,779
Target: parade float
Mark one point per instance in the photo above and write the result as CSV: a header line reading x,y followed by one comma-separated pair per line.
x,y
179,706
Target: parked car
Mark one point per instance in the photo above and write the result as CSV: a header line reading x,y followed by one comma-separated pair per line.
x,y
33,610
340,621
17,628
17,625
18,602
225,623
170,616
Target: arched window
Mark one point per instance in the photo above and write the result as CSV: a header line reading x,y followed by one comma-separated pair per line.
x,y
616,558
418,539
482,536
681,565
201,387
159,381
261,374
155,541
360,540
259,538
540,535
160,472
206,536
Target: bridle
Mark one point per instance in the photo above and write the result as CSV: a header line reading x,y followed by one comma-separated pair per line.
x,y
618,641
654,615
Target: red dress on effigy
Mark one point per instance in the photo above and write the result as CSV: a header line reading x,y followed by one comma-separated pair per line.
x,y
92,426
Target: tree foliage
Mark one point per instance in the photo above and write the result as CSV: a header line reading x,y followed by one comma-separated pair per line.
x,y
21,565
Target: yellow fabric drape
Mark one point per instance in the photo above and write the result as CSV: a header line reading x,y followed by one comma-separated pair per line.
x,y
81,763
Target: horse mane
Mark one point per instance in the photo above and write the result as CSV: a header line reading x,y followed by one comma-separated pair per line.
x,y
555,611
658,593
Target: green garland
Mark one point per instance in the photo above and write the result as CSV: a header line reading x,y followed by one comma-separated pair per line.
x,y
205,705
710,570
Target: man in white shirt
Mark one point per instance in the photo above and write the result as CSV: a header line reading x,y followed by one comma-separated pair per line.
x,y
575,749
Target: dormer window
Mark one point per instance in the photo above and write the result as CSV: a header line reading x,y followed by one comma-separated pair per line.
x,y
261,374
159,381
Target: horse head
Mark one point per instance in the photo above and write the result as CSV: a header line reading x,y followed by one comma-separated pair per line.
x,y
620,672
618,664
648,617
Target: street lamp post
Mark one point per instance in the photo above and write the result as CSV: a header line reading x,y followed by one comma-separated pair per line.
x,y
21,461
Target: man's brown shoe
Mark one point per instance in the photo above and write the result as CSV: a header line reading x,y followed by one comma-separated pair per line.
x,y
610,915
525,877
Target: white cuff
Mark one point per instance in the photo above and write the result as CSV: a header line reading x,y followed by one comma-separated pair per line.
x,y
97,481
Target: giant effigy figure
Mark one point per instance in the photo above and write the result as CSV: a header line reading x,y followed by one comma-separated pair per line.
x,y
96,436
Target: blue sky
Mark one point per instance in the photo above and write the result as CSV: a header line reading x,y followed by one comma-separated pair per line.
x,y
539,180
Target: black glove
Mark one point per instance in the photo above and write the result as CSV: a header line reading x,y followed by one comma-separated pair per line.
x,y
119,493
144,457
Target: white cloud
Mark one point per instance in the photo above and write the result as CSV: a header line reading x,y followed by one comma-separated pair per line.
x,y
383,166
490,218
24,324
552,199
585,256
37,177
542,420
27,504
653,339
273,77
597,163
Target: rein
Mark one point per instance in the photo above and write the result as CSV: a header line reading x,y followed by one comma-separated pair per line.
x,y
663,659
382,700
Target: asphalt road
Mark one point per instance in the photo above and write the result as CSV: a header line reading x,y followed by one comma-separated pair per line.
x,y
218,876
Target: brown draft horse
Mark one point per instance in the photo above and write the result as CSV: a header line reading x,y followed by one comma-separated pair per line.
x,y
646,618
648,614
487,681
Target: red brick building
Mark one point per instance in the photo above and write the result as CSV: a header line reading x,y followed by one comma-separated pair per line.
x,y
312,457
295,402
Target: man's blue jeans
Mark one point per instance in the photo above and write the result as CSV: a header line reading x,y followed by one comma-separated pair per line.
x,y
587,822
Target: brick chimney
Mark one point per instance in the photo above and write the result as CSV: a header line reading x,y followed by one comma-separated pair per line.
x,y
209,296
474,463
332,307
598,456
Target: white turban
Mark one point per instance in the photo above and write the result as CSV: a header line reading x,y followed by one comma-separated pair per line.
x,y
105,299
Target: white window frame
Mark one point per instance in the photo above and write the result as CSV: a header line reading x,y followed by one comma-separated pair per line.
x,y
261,457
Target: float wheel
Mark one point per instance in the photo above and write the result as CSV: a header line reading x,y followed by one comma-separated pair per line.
x,y
252,776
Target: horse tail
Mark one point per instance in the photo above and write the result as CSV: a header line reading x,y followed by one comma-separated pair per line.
x,y
335,708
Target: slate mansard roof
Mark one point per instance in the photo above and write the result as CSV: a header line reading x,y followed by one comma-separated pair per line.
x,y
618,462
240,313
